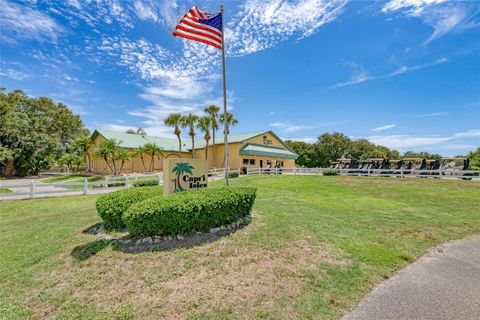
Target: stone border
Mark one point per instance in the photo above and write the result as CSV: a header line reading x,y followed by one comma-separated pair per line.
x,y
137,245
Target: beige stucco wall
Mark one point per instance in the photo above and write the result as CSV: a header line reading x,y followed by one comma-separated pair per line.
x,y
236,161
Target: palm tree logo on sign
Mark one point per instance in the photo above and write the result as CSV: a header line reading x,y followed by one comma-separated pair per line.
x,y
180,169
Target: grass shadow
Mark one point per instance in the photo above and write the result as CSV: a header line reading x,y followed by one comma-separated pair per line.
x,y
189,241
85,251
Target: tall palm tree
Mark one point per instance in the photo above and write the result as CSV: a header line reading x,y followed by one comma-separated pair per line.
x,y
84,146
190,122
213,110
153,150
230,120
174,121
204,124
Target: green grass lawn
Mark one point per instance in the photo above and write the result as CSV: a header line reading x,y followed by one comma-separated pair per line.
x,y
315,247
5,190
64,178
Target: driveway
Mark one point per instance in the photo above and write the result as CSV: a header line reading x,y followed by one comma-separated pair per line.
x,y
443,284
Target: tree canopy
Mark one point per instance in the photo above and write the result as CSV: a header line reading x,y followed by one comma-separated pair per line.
x,y
34,132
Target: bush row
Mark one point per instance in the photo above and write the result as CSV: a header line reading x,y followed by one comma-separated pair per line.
x,y
330,172
188,212
112,206
145,183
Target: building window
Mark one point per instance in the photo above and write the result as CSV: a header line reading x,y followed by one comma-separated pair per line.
x,y
247,162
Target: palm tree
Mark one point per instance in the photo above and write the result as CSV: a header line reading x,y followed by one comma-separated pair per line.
x,y
141,152
204,124
230,120
139,131
108,150
84,146
123,155
212,111
153,150
174,120
179,169
190,121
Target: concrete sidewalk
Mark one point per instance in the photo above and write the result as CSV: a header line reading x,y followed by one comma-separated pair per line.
x,y
443,284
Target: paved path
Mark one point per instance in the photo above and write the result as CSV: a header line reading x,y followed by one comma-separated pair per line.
x,y
443,284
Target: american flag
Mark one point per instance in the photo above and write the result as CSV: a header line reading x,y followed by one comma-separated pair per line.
x,y
200,26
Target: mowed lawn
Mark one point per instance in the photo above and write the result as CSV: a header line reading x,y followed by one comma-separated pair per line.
x,y
315,247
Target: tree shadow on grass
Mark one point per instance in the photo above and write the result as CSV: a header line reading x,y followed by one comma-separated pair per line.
x,y
85,251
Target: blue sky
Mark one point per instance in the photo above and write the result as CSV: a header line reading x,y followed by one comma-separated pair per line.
x,y
402,73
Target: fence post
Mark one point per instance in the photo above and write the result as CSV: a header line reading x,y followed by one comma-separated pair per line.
x,y
159,177
105,185
401,173
32,189
294,170
85,187
127,182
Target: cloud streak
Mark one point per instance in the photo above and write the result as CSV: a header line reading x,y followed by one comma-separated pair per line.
x,y
382,128
361,75
19,22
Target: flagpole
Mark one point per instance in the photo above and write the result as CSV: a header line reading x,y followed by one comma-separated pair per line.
x,y
225,114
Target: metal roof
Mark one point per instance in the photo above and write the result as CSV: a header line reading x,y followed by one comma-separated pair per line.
x,y
131,140
251,149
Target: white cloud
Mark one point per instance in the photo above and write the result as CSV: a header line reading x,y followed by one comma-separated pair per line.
x,y
360,75
443,16
307,139
145,10
289,127
468,134
407,142
15,74
20,22
433,114
386,127
412,5
262,24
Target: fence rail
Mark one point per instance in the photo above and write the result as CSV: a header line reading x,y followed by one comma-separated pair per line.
x,y
412,173
35,188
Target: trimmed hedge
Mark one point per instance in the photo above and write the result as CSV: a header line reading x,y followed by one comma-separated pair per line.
x,y
188,212
330,172
233,174
146,183
112,206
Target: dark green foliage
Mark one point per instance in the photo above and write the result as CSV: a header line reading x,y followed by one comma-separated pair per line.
x,y
187,212
233,174
34,132
113,205
306,153
474,157
146,183
330,172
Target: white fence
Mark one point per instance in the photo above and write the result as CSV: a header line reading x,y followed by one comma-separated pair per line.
x,y
35,188
439,174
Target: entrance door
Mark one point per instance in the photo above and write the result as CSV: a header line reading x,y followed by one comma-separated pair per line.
x,y
261,163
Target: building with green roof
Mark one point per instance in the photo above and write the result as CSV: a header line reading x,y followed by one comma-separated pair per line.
x,y
257,149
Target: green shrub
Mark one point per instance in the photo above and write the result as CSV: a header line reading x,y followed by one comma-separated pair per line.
x,y
145,183
188,212
233,174
330,172
113,205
